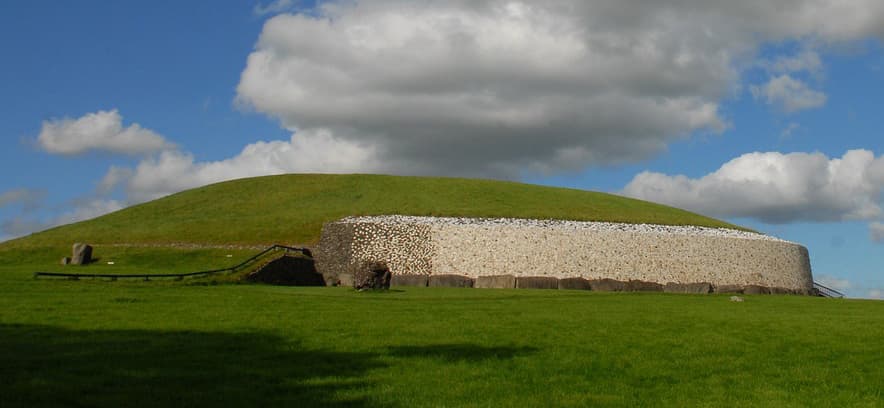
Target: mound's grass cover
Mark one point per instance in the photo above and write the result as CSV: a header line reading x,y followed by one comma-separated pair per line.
x,y
292,209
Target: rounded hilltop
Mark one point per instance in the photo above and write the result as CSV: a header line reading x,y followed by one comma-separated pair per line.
x,y
292,209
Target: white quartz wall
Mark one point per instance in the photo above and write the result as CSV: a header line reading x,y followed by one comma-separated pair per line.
x,y
563,249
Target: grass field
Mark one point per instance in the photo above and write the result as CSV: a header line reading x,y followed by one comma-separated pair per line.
x,y
93,343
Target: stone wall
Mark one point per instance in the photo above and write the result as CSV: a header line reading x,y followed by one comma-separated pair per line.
x,y
565,249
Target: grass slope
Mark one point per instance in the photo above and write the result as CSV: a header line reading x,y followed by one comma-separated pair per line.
x,y
105,344
292,209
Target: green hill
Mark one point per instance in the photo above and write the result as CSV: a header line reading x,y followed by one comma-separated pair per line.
x,y
292,209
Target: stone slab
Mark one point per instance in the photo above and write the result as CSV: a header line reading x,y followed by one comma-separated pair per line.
x,y
574,284
607,285
537,282
410,280
450,281
699,287
496,282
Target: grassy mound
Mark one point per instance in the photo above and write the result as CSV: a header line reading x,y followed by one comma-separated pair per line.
x,y
292,209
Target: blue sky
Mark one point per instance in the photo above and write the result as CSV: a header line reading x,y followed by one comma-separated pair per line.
x,y
767,115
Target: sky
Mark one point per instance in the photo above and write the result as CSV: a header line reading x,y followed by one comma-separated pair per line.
x,y
763,113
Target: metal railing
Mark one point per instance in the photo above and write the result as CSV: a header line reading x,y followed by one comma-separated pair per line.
x,y
179,276
826,291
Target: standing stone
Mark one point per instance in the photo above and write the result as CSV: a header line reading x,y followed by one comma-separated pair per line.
x,y
66,261
82,254
372,275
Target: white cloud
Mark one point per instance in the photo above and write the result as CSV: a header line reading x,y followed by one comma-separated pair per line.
x,y
875,294
776,187
876,230
496,87
99,131
838,284
807,61
314,151
788,93
27,198
273,7
789,130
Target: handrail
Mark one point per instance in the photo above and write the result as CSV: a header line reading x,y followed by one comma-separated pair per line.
x,y
825,291
304,251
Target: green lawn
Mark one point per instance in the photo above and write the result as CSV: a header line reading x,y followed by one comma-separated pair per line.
x,y
94,343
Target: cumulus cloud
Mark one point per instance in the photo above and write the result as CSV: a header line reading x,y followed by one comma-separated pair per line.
x,y
833,282
273,7
99,131
876,230
27,198
806,60
776,187
790,94
496,87
313,151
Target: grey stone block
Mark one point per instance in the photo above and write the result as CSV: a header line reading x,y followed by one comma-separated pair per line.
x,y
756,290
537,282
450,281
82,254
607,285
642,286
699,287
728,288
574,284
496,282
345,279
410,280
372,275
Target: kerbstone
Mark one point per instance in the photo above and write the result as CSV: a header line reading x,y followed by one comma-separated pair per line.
x,y
496,282
450,281
537,282
410,280
699,287
574,284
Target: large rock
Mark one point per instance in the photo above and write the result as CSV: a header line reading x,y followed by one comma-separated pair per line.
x,y
537,282
82,254
574,284
288,270
699,287
756,290
410,280
607,285
371,275
729,289
642,286
496,282
450,281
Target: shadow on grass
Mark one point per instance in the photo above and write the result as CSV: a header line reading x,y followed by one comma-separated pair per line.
x,y
47,366
461,352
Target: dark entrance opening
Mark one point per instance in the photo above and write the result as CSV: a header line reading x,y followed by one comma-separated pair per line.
x,y
288,270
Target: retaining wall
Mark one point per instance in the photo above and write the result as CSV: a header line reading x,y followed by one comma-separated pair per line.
x,y
564,249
